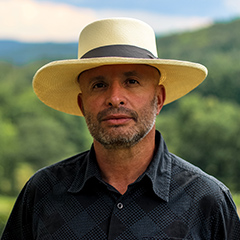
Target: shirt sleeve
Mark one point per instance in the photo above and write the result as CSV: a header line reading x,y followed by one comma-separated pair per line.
x,y
19,225
226,223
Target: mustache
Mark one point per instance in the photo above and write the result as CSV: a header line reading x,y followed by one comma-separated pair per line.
x,y
121,110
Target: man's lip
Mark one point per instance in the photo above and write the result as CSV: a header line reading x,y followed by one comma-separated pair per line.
x,y
120,114
116,117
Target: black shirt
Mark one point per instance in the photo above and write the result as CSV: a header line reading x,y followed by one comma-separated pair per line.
x,y
172,199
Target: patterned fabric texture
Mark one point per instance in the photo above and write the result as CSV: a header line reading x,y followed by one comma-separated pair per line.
x,y
171,200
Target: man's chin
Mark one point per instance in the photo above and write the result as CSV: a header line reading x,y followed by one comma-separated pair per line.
x,y
119,140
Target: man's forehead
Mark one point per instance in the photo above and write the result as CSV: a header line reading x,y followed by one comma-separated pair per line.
x,y
124,69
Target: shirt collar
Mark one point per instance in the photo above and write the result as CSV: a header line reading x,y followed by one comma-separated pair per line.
x,y
159,170
87,170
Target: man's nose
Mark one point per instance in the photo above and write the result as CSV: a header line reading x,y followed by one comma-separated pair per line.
x,y
116,96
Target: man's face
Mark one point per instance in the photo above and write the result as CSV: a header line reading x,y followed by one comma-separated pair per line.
x,y
120,103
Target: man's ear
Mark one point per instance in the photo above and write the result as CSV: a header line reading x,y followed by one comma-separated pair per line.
x,y
161,95
80,103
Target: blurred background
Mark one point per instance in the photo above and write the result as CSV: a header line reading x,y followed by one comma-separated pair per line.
x,y
203,127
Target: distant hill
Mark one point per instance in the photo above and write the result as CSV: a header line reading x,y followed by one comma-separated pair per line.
x,y
22,53
193,46
203,45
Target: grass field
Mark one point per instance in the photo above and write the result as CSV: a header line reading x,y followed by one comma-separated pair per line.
x,y
236,198
6,204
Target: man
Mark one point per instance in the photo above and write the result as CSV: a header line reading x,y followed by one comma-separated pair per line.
x,y
128,186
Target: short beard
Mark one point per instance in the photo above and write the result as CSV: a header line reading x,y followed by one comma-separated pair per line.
x,y
113,138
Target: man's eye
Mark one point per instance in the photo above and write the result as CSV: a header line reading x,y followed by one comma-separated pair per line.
x,y
99,85
132,81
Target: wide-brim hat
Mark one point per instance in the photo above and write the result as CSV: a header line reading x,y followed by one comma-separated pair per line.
x,y
108,42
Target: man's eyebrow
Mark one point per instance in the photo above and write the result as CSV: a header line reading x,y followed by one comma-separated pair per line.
x,y
92,79
130,73
96,78
100,77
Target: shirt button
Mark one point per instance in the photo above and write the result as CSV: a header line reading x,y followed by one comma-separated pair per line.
x,y
119,205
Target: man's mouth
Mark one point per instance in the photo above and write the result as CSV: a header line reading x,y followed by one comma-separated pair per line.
x,y
117,116
117,119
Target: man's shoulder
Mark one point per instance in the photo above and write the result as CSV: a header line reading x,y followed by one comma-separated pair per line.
x,y
61,171
185,173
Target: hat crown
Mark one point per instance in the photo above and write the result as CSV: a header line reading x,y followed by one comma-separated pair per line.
x,y
117,31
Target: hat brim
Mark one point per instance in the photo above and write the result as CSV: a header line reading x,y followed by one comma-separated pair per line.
x,y
56,84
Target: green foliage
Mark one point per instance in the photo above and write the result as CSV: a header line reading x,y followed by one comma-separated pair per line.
x,y
236,199
32,134
6,204
205,131
217,47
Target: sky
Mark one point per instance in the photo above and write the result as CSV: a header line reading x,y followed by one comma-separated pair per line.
x,y
62,20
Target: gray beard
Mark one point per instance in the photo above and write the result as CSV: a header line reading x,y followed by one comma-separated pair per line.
x,y
114,139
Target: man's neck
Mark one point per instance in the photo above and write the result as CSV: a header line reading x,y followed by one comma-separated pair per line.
x,y
121,167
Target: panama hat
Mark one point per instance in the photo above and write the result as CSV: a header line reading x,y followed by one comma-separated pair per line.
x,y
108,42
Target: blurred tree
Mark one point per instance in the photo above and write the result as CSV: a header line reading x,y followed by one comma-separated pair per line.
x,y
218,48
8,149
205,131
32,134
